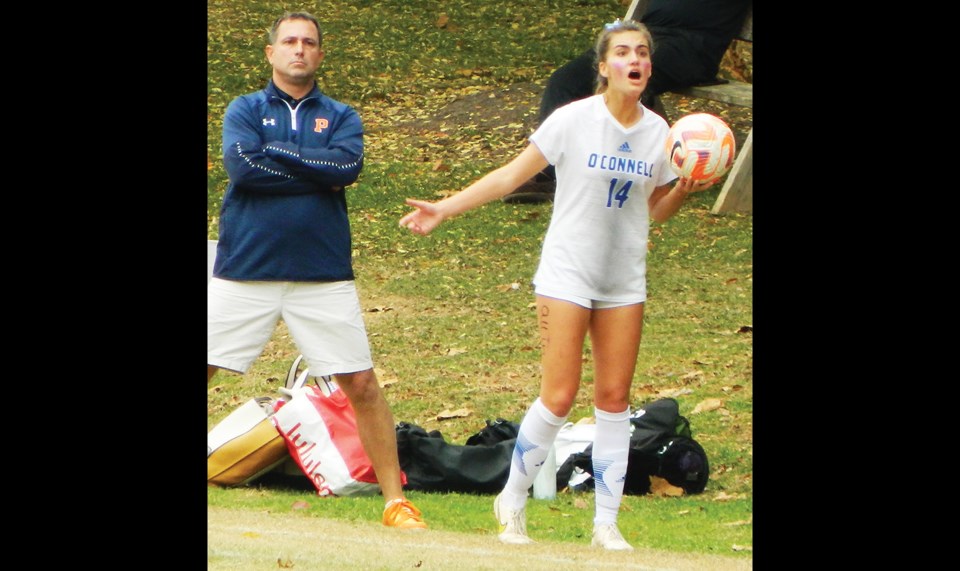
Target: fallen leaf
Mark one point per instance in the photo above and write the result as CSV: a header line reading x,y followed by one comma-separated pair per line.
x,y
300,505
442,20
661,487
745,329
670,393
459,413
736,547
581,503
707,405
454,351
288,564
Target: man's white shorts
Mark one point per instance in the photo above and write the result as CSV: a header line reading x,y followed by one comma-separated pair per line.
x,y
324,319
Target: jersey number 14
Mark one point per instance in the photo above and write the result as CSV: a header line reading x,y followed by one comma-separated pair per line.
x,y
620,195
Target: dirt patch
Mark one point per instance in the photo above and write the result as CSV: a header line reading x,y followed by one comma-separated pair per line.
x,y
240,540
513,107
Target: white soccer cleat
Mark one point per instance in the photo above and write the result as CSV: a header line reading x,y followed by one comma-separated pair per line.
x,y
608,536
513,523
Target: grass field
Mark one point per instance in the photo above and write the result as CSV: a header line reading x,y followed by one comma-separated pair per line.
x,y
447,92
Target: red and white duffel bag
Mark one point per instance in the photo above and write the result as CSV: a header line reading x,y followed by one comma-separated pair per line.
x,y
319,426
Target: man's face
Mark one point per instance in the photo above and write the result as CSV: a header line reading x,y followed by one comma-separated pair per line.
x,y
296,54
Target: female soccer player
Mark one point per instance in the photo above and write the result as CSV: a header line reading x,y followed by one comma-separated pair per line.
x,y
612,178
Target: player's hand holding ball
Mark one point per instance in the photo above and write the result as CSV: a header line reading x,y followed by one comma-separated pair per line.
x,y
688,185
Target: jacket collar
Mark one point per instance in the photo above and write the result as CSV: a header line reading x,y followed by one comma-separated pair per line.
x,y
275,91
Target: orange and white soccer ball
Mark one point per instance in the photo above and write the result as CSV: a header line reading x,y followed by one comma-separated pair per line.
x,y
700,146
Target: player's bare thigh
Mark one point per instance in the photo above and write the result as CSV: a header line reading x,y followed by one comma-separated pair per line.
x,y
563,327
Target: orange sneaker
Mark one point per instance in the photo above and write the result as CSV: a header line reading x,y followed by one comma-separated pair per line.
x,y
402,514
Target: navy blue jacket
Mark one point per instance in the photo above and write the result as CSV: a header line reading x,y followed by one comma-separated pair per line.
x,y
284,215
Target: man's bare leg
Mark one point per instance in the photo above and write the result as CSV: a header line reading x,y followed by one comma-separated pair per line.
x,y
376,428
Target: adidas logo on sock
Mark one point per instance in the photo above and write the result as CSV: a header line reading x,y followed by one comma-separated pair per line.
x,y
625,148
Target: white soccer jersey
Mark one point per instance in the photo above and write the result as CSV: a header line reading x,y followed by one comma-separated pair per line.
x,y
596,244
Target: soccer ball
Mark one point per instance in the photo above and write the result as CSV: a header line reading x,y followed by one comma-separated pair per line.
x,y
700,146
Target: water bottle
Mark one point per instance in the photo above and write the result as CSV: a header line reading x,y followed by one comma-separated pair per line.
x,y
545,484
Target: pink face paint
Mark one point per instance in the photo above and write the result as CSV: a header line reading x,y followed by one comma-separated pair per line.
x,y
619,66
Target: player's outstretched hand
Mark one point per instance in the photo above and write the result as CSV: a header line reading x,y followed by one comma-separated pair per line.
x,y
423,219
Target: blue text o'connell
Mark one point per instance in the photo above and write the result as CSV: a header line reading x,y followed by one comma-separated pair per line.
x,y
619,164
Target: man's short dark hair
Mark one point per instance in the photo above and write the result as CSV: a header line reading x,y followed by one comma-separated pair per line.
x,y
295,16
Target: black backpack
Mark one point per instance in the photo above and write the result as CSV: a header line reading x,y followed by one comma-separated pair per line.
x,y
661,444
432,464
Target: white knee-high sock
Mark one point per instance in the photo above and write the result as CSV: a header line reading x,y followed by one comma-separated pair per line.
x,y
537,432
611,448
